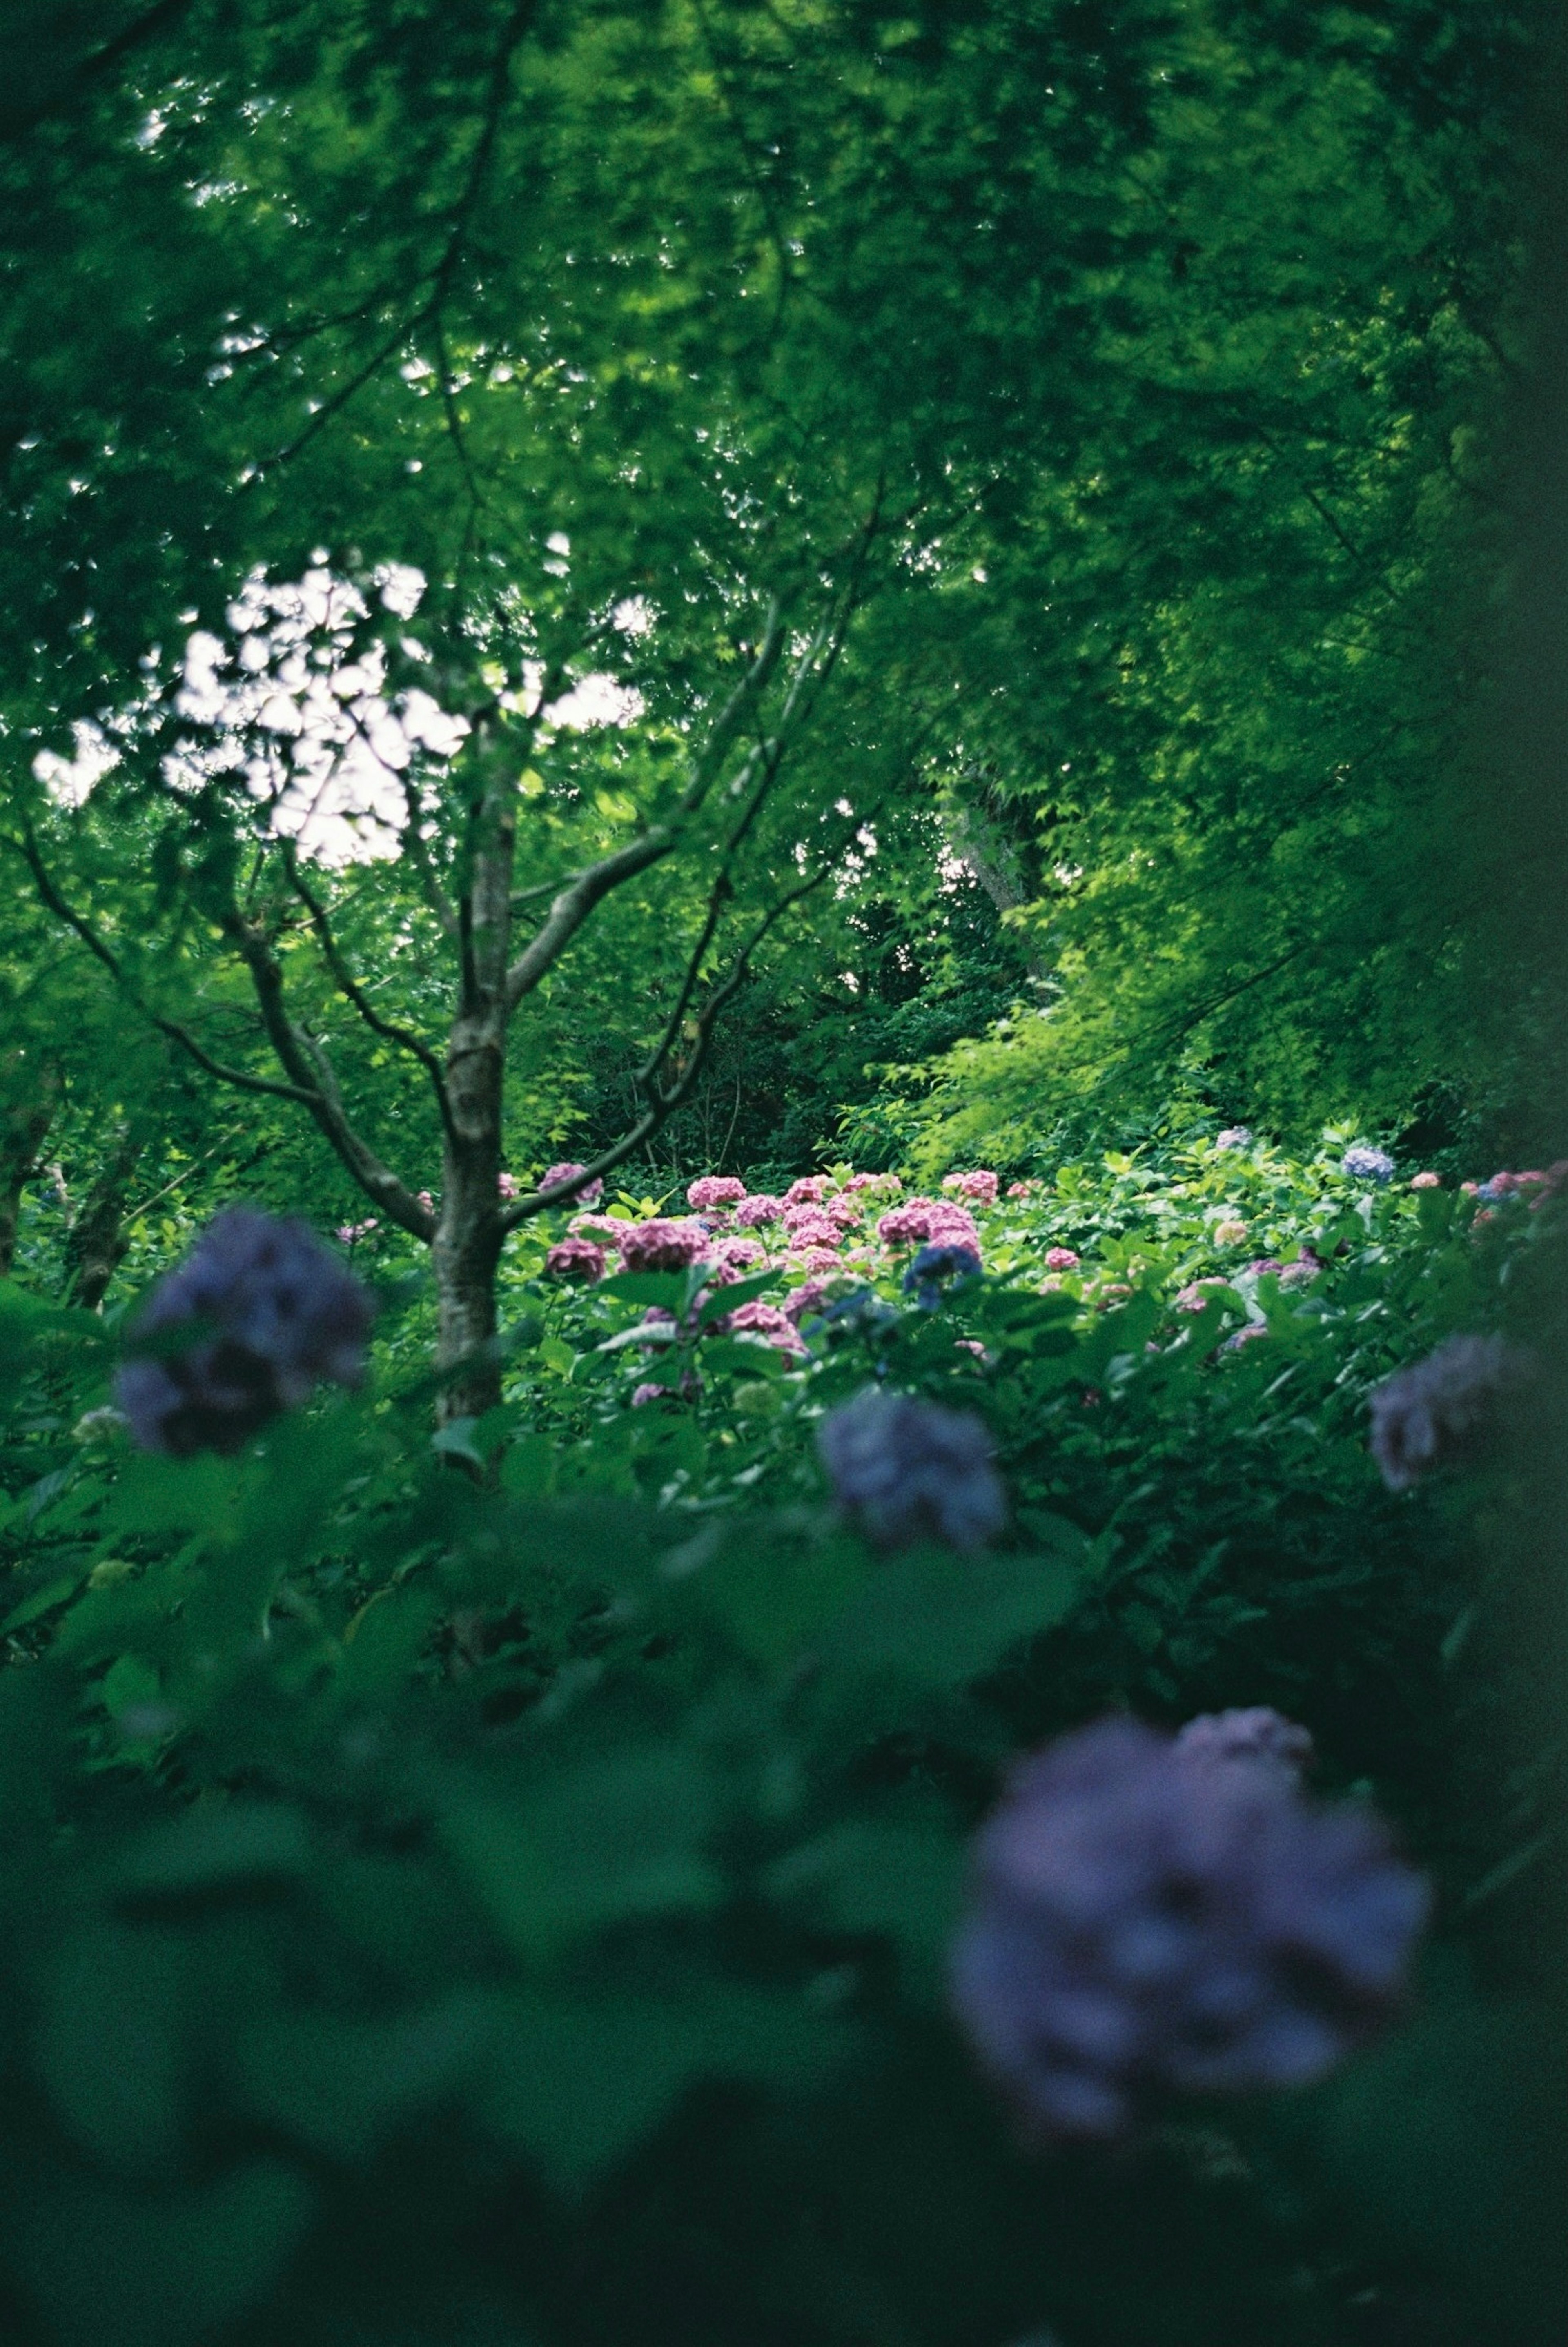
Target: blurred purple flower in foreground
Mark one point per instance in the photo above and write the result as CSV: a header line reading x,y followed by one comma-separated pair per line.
x,y
272,1313
1260,1735
910,1471
1143,1921
1438,1411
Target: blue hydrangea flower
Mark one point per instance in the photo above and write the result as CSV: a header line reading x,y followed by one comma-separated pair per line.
x,y
933,1265
1143,1921
270,1313
1366,1165
1260,1735
908,1470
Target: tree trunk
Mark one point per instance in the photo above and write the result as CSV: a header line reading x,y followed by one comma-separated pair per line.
x,y
96,1244
22,1133
467,1245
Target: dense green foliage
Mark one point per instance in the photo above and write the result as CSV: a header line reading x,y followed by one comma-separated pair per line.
x,y
461,1906
745,587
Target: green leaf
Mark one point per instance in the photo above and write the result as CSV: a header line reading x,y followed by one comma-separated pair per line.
x,y
113,2269
580,2082
935,1620
617,1839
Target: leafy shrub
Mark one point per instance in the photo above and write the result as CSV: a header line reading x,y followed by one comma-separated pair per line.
x,y
500,1887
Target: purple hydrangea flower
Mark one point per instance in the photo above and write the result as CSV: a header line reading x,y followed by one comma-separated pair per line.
x,y
1438,1411
589,1195
1140,1924
933,1265
1235,1136
909,1469
272,1313
1366,1164
575,1257
1261,1735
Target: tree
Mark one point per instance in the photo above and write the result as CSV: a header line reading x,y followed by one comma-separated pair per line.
x,y
671,350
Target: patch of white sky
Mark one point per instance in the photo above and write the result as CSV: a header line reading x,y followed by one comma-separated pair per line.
x,y
285,701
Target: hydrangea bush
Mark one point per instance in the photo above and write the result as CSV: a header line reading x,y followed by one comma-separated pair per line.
x,y
896,1698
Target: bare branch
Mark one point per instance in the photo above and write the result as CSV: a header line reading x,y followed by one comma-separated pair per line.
x,y
577,901
350,987
307,1063
586,889
665,1100
28,849
14,123
732,715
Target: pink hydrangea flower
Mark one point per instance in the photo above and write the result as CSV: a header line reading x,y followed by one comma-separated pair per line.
x,y
1061,1259
507,1184
844,1211
924,1220
809,1191
737,1251
809,1228
814,1258
349,1233
981,1186
1020,1189
662,1245
1197,1292
712,1190
608,1227
888,1182
589,1195
810,1297
1426,1181
759,1319
575,1258
1230,1232
760,1208
426,1200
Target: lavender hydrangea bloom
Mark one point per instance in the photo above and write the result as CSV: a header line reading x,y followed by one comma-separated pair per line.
x,y
1260,1735
1138,1923
272,1313
1366,1164
1235,1136
935,1264
909,1469
1437,1412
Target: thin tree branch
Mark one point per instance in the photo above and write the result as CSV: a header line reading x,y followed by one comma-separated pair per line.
x,y
307,1063
351,988
665,1100
28,849
14,123
587,889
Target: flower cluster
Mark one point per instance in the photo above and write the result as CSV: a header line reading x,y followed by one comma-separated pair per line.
x,y
1146,1917
575,1257
588,1194
906,1469
270,1313
760,1208
1235,1136
1261,1735
1437,1412
980,1185
714,1190
663,1245
936,1265
1364,1164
